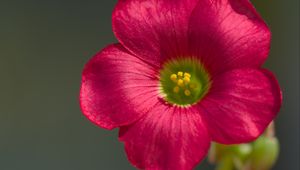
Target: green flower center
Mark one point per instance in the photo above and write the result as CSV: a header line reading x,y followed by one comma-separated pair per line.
x,y
184,81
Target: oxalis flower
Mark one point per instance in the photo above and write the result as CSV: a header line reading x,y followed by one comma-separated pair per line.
x,y
185,73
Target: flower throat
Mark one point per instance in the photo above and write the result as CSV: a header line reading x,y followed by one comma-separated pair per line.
x,y
183,81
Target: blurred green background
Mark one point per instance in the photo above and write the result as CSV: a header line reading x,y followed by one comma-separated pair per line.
x,y
43,48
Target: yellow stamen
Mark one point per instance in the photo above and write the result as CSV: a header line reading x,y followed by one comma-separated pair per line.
x,y
176,89
187,92
180,83
180,73
173,77
186,80
183,81
187,75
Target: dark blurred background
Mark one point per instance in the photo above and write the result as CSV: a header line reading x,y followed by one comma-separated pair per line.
x,y
43,48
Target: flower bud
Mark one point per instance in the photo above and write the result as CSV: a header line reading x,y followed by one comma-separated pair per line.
x,y
242,151
265,153
217,152
226,163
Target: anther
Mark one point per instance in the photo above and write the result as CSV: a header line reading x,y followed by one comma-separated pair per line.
x,y
187,75
180,73
173,77
180,83
187,92
176,89
186,80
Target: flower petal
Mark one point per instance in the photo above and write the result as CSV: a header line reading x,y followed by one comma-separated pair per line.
x,y
117,88
154,29
240,105
228,34
168,137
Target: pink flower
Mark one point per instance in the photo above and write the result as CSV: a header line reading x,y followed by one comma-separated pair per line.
x,y
186,72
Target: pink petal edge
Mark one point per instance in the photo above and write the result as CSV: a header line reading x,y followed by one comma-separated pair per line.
x,y
154,30
117,88
241,104
228,34
167,137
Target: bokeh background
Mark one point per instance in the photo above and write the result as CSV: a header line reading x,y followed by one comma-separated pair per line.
x,y
43,48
